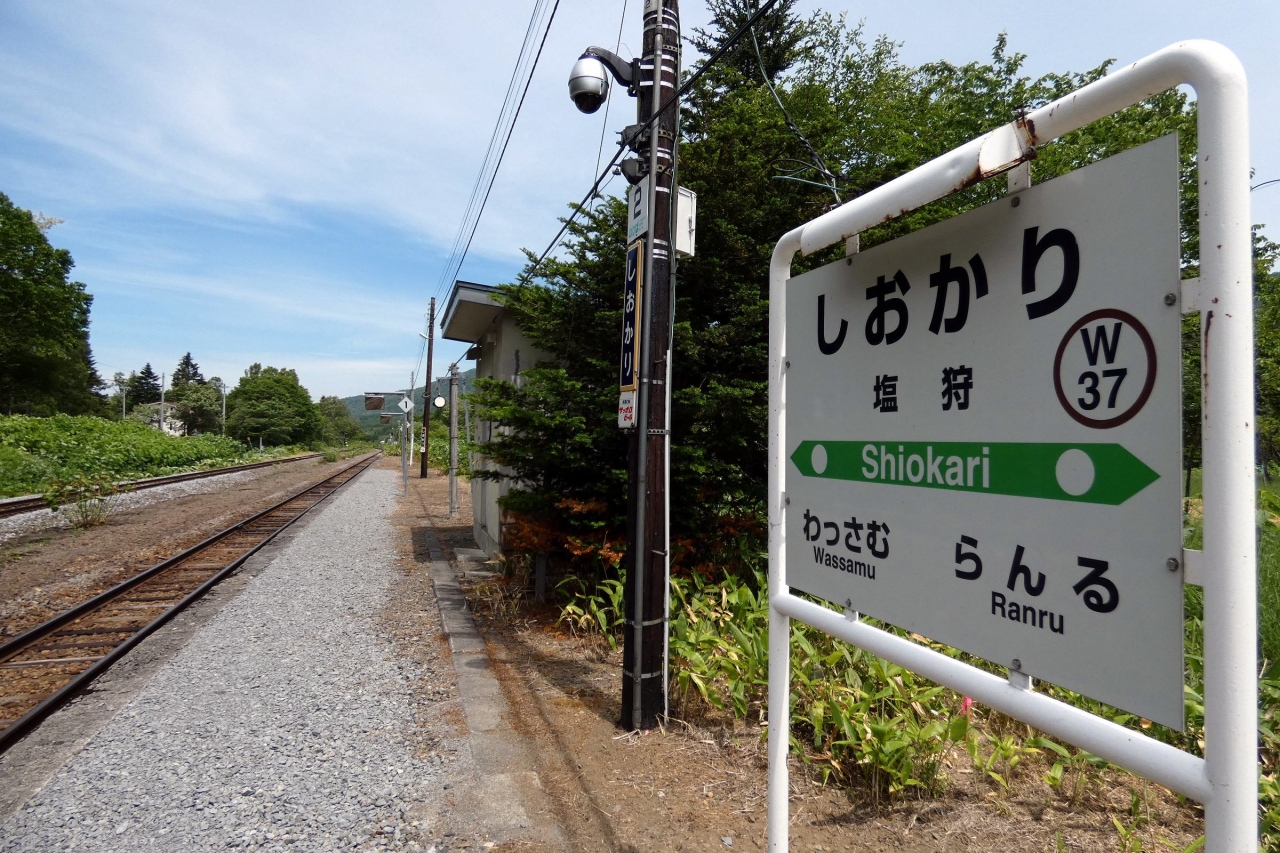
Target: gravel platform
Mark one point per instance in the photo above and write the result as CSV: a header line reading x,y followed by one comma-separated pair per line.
x,y
286,723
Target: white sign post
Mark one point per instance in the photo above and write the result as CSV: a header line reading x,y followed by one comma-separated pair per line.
x,y
975,434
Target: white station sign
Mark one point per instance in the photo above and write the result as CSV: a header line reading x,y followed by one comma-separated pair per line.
x,y
638,209
406,405
984,432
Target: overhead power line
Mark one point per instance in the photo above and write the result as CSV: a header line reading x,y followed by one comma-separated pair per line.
x,y
684,88
521,77
604,124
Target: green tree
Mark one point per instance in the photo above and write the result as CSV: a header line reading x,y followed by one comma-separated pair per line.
x,y
1267,334
869,118
197,405
270,404
186,371
46,365
144,387
339,426
780,34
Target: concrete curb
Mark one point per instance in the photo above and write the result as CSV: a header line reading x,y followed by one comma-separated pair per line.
x,y
507,799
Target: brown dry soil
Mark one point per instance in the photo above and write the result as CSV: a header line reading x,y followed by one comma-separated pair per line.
x,y
701,788
46,572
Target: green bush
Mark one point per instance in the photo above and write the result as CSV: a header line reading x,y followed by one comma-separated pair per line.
x,y
20,472
63,447
87,500
1269,592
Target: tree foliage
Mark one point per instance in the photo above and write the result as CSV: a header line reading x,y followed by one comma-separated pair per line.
x,y
197,405
187,371
780,35
1266,285
869,118
339,426
144,387
269,404
46,365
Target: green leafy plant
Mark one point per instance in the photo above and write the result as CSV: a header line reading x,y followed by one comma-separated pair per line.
x,y
1130,839
1071,770
596,614
62,447
87,500
856,718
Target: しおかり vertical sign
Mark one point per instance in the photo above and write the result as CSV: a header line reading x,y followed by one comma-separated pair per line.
x,y
632,308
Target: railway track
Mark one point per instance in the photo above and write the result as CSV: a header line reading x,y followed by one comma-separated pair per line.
x,y
31,503
44,667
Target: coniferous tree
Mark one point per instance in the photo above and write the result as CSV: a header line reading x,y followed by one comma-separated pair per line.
x,y
145,386
779,34
187,371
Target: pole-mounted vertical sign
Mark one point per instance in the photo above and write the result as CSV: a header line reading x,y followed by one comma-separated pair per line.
x,y
638,209
629,371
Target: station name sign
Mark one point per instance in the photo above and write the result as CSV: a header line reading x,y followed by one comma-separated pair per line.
x,y
984,427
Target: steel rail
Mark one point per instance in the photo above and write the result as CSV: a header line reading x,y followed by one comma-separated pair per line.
x,y
22,725
31,503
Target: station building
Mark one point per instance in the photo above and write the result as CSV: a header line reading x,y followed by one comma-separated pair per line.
x,y
500,350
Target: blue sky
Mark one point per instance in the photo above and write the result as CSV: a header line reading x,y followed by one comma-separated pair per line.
x,y
281,182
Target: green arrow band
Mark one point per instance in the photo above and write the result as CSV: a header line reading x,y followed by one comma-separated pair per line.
x,y
1091,473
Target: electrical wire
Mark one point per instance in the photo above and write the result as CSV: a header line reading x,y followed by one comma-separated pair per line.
x,y
527,275
503,115
604,125
819,165
507,119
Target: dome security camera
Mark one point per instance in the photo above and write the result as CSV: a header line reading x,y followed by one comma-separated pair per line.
x,y
589,79
588,83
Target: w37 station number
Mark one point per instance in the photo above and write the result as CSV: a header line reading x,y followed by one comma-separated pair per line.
x,y
983,432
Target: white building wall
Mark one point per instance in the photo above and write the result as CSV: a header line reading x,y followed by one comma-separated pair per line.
x,y
504,353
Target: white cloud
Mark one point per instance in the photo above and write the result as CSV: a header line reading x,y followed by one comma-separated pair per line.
x,y
249,108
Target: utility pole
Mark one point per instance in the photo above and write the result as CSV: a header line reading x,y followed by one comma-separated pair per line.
x,y
644,681
408,416
426,391
160,420
453,439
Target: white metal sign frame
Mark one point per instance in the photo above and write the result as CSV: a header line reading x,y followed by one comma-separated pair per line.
x,y
1225,780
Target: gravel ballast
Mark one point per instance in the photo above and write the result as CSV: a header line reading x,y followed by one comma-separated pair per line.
x,y
286,723
43,519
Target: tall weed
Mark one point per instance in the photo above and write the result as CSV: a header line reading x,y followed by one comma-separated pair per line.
x,y
594,614
855,717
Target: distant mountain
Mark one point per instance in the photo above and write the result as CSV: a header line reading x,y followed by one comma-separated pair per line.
x,y
371,423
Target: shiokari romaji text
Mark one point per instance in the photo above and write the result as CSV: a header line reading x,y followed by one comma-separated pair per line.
x,y
885,463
